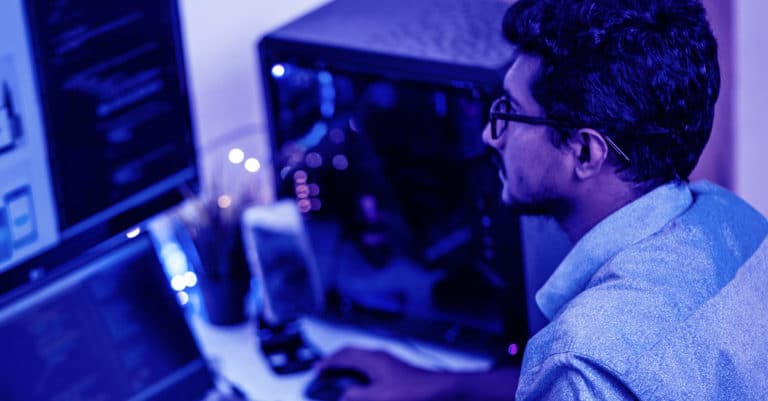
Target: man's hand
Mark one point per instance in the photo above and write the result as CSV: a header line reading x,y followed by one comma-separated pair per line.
x,y
391,378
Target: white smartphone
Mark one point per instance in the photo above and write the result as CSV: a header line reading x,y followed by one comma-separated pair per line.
x,y
281,258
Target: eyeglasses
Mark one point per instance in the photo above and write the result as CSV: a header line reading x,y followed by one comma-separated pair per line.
x,y
500,110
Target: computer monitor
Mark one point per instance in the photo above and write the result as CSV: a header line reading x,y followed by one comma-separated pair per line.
x,y
95,128
376,111
104,327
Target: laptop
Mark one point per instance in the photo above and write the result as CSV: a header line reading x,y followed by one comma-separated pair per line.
x,y
109,328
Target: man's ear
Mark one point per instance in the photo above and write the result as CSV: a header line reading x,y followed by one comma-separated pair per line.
x,y
589,150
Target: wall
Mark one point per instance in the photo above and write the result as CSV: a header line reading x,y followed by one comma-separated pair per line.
x,y
227,98
751,102
734,156
716,163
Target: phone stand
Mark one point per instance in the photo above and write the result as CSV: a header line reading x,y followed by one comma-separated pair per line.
x,y
285,348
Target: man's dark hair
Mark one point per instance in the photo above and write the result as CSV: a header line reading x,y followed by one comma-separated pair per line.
x,y
643,72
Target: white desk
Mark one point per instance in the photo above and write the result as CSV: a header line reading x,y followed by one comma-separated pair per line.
x,y
235,354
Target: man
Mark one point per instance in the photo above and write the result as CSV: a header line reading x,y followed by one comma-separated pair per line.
x,y
607,109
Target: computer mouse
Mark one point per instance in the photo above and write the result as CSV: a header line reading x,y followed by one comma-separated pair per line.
x,y
331,383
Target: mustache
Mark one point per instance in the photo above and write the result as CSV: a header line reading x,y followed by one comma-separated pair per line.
x,y
495,157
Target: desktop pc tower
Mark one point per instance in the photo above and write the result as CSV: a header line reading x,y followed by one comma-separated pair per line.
x,y
375,112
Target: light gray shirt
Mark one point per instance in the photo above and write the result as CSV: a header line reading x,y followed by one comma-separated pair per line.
x,y
666,299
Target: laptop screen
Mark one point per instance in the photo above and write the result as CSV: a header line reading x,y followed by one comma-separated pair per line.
x,y
110,329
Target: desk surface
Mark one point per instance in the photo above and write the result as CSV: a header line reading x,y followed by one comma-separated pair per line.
x,y
233,351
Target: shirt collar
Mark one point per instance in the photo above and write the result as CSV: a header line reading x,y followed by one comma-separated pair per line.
x,y
624,227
